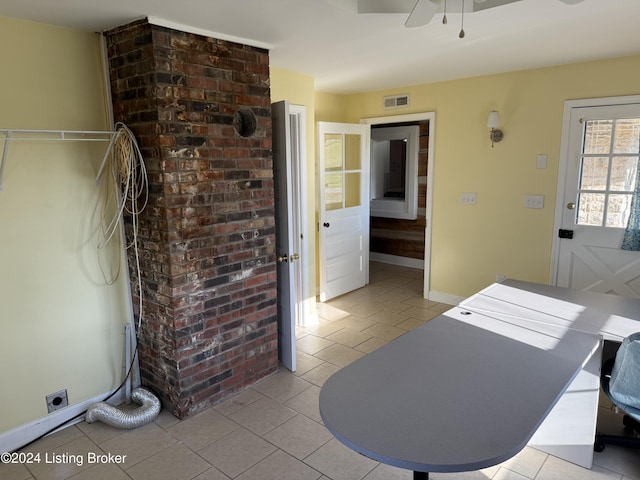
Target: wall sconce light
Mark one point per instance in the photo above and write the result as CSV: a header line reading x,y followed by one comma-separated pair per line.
x,y
493,122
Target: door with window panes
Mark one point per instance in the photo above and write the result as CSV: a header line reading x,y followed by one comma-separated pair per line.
x,y
603,153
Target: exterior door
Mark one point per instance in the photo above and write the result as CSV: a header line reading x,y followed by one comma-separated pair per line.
x,y
601,161
344,207
286,256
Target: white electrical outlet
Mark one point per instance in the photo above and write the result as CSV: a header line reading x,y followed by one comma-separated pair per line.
x,y
534,201
468,198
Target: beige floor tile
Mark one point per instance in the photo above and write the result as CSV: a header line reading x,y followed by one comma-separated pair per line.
x,y
98,432
138,444
176,462
392,306
622,460
319,375
398,295
280,466
389,317
340,355
528,462
440,307
506,474
385,332
282,386
166,419
55,440
418,301
323,329
238,401
299,436
411,324
363,309
262,416
307,403
211,474
14,471
202,429
65,460
556,469
305,363
237,452
339,462
348,337
370,345
102,472
387,472
354,322
422,313
311,344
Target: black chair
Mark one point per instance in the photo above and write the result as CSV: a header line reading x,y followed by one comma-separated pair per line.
x,y
620,380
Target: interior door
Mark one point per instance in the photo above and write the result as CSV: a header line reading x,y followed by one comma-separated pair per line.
x,y
286,257
601,164
344,207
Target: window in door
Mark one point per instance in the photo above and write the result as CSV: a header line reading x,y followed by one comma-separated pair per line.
x,y
608,167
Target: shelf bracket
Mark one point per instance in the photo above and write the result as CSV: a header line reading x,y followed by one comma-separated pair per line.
x,y
9,135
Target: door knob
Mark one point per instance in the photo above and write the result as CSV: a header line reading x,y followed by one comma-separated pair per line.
x,y
326,224
283,258
294,257
571,206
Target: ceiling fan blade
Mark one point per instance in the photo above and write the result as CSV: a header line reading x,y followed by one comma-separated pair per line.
x,y
385,6
571,2
422,13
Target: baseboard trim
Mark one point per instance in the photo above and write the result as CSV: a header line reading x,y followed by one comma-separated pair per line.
x,y
396,260
18,437
445,298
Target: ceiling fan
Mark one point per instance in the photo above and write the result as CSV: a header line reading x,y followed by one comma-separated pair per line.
x,y
421,12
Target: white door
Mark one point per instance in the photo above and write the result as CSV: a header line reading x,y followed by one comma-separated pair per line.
x,y
287,257
600,162
344,207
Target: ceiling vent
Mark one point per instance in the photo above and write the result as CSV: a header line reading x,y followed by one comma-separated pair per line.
x,y
396,101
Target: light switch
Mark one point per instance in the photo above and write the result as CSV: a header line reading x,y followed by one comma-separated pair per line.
x,y
468,198
534,201
542,161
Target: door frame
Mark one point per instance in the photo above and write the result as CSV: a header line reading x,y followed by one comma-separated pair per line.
x,y
417,117
569,106
305,299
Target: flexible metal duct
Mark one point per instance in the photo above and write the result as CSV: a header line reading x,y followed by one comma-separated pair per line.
x,y
124,418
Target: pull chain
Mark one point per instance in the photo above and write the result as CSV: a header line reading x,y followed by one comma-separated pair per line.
x,y
461,34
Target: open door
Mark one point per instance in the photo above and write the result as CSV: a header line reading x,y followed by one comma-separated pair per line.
x,y
344,207
286,257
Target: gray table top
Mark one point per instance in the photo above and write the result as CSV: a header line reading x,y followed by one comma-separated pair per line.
x,y
462,392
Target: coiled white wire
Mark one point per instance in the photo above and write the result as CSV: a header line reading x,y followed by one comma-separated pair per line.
x,y
132,195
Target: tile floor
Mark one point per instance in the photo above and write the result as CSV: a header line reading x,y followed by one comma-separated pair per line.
x,y
273,429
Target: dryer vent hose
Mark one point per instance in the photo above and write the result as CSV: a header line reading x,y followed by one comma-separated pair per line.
x,y
126,417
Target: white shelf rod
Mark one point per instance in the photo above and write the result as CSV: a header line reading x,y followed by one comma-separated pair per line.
x,y
12,135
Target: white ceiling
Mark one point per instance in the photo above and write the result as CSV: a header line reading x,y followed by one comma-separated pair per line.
x,y
347,52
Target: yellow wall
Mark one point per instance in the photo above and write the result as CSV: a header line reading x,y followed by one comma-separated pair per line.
x,y
472,244
298,89
62,325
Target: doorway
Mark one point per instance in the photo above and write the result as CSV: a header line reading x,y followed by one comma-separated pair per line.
x,y
405,239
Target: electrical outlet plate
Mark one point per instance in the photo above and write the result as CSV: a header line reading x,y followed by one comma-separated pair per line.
x,y
534,201
468,198
56,401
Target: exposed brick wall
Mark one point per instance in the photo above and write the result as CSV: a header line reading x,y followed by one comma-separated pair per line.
x,y
207,236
